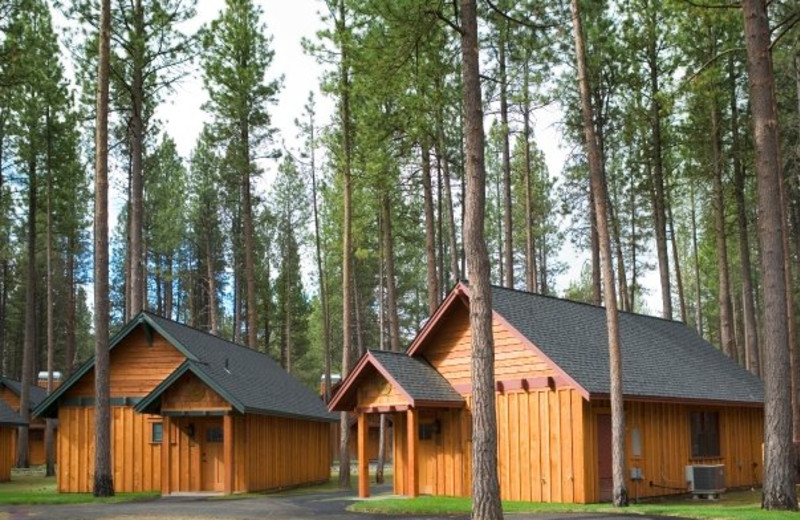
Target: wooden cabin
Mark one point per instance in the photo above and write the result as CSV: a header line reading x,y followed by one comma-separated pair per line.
x,y
10,393
686,403
192,412
9,422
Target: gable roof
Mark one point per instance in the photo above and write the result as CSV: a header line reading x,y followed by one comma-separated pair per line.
x,y
661,359
9,417
412,376
249,380
37,394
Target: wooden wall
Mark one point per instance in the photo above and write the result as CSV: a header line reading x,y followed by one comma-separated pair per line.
x,y
136,461
448,350
136,367
666,446
540,448
277,452
7,454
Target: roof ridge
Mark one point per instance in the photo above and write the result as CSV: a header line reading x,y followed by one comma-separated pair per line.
x,y
587,304
218,338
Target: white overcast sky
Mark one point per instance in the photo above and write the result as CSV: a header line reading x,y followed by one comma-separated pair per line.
x,y
288,21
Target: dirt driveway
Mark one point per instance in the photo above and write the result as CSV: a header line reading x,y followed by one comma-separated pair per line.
x,y
301,506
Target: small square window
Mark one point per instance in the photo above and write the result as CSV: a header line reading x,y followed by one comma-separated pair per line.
x,y
157,433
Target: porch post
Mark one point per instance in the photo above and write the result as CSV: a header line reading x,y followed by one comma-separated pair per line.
x,y
363,455
166,427
227,448
412,487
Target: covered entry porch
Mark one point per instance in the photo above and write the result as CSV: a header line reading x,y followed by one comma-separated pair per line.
x,y
430,419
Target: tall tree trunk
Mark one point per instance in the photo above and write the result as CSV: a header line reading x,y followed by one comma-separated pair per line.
x,y
531,271
597,293
676,258
441,151
103,476
69,347
430,231
49,447
507,224
136,129
485,486
598,182
698,302
321,278
29,348
211,284
391,287
726,335
659,204
348,358
779,471
751,347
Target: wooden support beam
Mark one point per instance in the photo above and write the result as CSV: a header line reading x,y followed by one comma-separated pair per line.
x,y
166,434
363,456
227,448
412,487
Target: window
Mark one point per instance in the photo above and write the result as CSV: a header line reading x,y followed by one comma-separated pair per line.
x,y
156,433
213,434
705,434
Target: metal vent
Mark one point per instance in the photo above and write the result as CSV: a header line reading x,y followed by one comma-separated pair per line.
x,y
706,479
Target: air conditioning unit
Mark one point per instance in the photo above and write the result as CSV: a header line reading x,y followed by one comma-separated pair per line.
x,y
706,480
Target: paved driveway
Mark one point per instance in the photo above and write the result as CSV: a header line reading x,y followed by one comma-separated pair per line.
x,y
299,506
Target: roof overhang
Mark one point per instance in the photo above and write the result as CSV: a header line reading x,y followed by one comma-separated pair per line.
x,y
48,407
345,399
460,295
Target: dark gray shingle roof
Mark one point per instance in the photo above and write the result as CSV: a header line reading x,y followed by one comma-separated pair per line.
x,y
253,379
9,417
37,394
660,358
417,377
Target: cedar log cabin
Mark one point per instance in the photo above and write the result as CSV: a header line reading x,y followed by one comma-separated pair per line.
x,y
10,393
191,412
9,422
686,403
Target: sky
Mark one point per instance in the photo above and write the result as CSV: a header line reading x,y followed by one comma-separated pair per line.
x,y
288,22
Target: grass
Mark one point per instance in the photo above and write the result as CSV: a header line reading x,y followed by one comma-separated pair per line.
x,y
32,487
736,505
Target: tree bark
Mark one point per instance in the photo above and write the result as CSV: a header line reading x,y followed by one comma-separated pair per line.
x,y
136,129
598,182
751,347
485,486
508,236
49,447
348,359
29,348
597,293
659,212
726,335
779,471
531,270
430,232
103,476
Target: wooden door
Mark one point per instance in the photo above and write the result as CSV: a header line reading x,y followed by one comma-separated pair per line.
x,y
427,436
604,464
212,466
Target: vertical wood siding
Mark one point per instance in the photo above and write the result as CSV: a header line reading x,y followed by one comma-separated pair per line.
x,y
666,446
6,454
136,461
277,452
